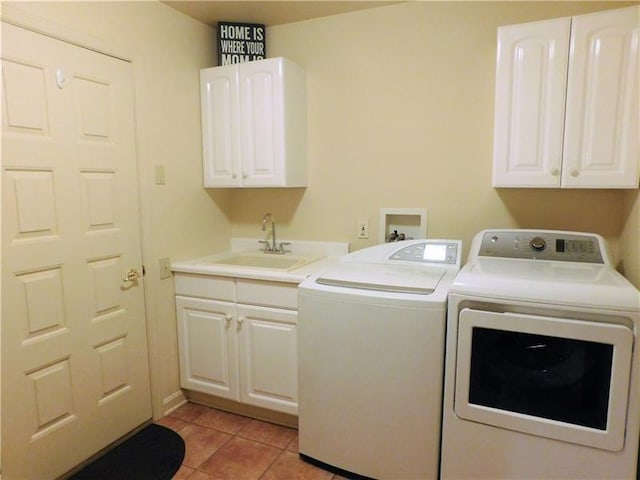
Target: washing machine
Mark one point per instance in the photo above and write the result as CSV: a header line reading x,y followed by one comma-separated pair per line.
x,y
542,374
371,335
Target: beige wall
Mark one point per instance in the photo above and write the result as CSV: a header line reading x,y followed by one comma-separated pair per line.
x,y
400,114
180,219
630,238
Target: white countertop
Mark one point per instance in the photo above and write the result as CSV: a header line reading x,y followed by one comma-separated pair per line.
x,y
330,252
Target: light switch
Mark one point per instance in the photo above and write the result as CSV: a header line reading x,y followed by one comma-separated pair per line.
x,y
165,268
159,171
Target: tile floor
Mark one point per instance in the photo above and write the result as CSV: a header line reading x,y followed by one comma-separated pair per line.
x,y
225,446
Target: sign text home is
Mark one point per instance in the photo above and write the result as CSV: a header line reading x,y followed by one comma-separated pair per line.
x,y
240,42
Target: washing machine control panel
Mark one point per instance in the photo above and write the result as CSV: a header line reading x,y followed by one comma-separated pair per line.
x,y
428,252
542,245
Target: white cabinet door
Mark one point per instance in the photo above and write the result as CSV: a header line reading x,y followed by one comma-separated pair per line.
x,y
262,121
268,358
601,128
254,124
531,77
208,346
567,102
220,126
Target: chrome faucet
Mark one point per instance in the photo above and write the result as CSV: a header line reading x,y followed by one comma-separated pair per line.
x,y
273,247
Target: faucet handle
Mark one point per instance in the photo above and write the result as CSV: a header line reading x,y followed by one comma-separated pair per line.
x,y
267,247
282,245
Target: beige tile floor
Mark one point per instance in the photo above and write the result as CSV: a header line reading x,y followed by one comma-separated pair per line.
x,y
225,446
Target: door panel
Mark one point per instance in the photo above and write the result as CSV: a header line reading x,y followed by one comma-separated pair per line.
x,y
267,350
601,132
220,126
529,112
261,99
75,365
208,349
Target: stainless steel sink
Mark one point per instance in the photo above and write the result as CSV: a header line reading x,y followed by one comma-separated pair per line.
x,y
283,262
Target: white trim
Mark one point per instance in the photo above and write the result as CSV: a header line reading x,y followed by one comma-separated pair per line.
x,y
173,402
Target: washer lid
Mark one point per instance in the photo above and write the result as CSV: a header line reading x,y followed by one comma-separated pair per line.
x,y
383,277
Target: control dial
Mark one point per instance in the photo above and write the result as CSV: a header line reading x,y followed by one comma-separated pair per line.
x,y
537,244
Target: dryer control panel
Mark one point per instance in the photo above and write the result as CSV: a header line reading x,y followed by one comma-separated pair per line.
x,y
542,245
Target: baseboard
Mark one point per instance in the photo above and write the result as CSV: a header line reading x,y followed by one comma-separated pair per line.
x,y
231,406
173,401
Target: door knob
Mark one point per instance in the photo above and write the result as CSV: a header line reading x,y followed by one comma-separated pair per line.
x,y
132,275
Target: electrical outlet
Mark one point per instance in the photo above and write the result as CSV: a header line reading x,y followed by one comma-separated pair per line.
x,y
165,268
363,228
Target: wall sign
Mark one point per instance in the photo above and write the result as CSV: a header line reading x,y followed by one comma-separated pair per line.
x,y
240,42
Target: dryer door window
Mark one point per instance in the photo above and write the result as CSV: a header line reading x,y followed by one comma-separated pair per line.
x,y
558,378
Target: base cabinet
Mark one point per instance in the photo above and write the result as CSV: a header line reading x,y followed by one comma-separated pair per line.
x,y
239,351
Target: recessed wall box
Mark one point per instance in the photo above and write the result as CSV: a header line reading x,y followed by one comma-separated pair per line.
x,y
398,222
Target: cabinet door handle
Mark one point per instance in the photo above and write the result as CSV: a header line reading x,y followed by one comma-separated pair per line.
x,y
234,175
228,318
574,172
244,175
555,172
240,320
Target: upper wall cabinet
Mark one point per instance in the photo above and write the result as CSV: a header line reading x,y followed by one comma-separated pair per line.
x,y
254,125
566,111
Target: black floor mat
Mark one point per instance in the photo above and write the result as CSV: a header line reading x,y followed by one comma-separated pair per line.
x,y
154,453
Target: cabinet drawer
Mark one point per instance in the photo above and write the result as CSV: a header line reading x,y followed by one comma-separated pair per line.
x,y
270,294
205,286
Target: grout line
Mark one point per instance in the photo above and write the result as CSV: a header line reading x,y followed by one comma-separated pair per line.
x,y
270,465
282,450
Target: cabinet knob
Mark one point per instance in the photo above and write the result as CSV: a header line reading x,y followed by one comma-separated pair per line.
x,y
240,320
244,175
233,175
228,318
574,172
555,172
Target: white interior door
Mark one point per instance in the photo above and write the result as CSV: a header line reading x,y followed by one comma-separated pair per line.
x,y
74,354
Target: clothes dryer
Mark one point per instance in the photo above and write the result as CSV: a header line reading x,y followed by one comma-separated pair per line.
x,y
370,359
542,375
